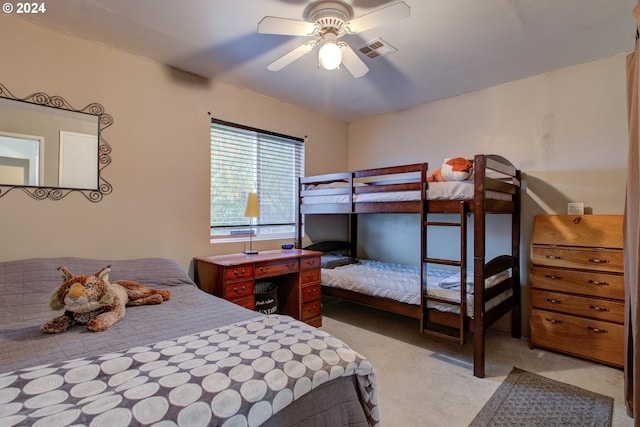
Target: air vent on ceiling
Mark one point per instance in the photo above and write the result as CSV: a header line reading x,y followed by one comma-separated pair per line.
x,y
377,47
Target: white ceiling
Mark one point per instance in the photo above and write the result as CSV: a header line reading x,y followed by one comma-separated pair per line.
x,y
445,48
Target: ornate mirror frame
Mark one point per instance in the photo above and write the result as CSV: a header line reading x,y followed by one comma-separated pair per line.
x,y
103,155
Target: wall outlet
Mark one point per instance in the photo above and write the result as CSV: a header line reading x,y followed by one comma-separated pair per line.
x,y
575,208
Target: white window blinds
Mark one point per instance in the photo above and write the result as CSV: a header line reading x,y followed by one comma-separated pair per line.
x,y
245,160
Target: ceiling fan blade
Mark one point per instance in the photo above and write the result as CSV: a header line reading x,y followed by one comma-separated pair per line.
x,y
291,56
284,26
353,63
379,17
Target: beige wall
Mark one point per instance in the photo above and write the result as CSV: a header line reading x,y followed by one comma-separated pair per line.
x,y
566,130
160,140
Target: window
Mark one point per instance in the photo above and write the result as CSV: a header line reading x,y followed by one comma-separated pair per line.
x,y
245,160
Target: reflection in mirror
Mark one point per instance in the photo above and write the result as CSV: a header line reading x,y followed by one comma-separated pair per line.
x,y
49,148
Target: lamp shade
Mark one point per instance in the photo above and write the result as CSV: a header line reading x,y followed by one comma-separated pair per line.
x,y
252,210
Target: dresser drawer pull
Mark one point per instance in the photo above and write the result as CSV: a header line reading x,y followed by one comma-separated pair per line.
x,y
239,291
312,291
554,321
553,277
595,282
553,257
599,261
554,301
600,331
312,309
263,269
593,307
239,273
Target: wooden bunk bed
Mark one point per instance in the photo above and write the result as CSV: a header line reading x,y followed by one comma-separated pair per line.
x,y
494,188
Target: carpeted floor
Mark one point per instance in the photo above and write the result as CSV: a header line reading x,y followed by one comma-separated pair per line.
x,y
425,382
528,399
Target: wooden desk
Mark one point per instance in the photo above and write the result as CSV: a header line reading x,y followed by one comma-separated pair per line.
x,y
296,272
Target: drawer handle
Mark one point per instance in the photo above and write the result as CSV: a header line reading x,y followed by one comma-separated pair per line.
x,y
238,291
553,257
262,269
554,301
291,266
312,309
239,273
553,277
554,321
600,331
593,307
311,291
599,261
595,282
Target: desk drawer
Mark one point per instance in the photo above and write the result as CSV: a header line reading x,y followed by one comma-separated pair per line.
x,y
595,308
591,339
238,289
276,268
585,259
606,285
310,276
238,272
311,309
310,263
310,292
247,302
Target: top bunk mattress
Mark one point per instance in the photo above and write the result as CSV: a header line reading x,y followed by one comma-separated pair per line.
x,y
450,190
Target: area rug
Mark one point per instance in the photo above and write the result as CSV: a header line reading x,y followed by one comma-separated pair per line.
x,y
528,399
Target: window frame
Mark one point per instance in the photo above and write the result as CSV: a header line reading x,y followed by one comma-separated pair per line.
x,y
262,231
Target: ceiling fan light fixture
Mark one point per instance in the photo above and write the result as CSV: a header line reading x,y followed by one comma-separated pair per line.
x,y
330,54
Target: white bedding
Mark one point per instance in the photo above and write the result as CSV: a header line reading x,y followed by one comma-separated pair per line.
x,y
402,283
451,190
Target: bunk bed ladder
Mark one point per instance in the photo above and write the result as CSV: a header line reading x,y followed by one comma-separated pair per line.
x,y
431,326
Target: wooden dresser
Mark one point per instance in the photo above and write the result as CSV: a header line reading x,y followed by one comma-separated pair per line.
x,y
296,272
577,286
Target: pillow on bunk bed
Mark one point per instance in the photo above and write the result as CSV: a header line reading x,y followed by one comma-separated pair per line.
x,y
331,261
453,282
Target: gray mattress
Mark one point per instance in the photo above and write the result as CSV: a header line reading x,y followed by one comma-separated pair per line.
x,y
25,288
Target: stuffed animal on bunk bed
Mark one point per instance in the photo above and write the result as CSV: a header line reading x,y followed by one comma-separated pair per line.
x,y
96,302
453,169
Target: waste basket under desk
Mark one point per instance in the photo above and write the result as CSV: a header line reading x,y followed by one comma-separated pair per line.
x,y
296,272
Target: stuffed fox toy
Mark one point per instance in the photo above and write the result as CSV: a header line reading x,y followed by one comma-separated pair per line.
x,y
96,302
453,169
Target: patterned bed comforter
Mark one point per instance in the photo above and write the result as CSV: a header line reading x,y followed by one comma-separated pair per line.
x,y
235,375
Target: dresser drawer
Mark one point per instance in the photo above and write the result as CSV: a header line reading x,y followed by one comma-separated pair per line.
x,y
310,276
596,231
311,309
310,263
238,289
238,272
592,339
586,259
606,285
600,309
311,292
276,268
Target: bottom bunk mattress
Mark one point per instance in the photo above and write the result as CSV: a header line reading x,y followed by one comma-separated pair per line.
x,y
402,283
194,360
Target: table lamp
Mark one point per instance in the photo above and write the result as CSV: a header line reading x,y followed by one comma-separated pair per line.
x,y
252,210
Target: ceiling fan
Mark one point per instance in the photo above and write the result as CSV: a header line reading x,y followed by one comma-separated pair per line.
x,y
327,21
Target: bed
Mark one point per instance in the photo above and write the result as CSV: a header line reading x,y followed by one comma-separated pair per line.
x,y
194,360
493,189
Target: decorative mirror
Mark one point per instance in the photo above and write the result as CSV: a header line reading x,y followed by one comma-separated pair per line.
x,y
49,149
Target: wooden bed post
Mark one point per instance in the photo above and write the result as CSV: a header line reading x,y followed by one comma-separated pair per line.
x,y
516,319
479,236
